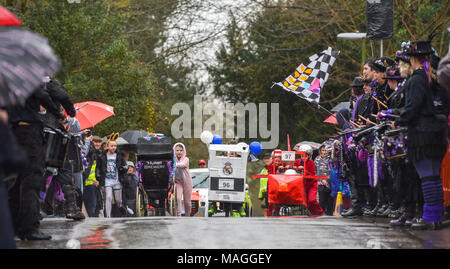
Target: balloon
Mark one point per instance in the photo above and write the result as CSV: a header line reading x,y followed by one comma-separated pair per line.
x,y
206,137
255,147
217,139
242,145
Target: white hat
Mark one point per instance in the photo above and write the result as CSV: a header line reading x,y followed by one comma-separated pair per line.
x,y
306,148
277,154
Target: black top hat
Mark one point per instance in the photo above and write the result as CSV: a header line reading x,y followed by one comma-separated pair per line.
x,y
358,82
387,61
400,55
378,66
392,73
419,47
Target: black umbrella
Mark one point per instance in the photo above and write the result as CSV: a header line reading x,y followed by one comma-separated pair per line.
x,y
25,59
340,106
131,137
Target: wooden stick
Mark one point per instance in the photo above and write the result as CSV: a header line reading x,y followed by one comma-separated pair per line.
x,y
367,120
355,124
391,115
379,102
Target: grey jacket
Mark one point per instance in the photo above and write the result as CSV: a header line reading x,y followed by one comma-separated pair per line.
x,y
443,72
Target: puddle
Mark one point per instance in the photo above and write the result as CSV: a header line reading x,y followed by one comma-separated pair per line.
x,y
96,240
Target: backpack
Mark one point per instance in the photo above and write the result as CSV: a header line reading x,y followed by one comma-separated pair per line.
x,y
441,98
441,104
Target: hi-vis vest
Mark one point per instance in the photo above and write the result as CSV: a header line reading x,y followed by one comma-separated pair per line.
x,y
263,183
91,177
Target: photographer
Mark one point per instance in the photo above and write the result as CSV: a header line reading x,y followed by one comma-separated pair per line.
x,y
27,126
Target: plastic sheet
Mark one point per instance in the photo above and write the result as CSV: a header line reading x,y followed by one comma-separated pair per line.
x,y
286,189
380,19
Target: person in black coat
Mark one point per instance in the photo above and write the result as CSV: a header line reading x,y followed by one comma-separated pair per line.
x,y
59,96
12,160
24,195
129,188
64,102
359,103
427,133
360,181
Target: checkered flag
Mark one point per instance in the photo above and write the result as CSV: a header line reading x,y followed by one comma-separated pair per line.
x,y
307,81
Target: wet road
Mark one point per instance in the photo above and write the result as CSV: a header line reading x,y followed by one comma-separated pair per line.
x,y
327,232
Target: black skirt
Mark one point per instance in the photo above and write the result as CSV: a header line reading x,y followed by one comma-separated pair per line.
x,y
422,145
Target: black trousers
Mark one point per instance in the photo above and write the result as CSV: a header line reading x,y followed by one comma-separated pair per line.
x,y
90,200
413,192
65,177
385,186
60,208
99,203
362,194
6,226
326,202
24,199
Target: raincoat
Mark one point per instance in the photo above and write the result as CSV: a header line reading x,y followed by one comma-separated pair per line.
x,y
183,181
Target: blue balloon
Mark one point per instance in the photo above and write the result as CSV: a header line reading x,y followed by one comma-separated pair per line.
x,y
255,147
217,139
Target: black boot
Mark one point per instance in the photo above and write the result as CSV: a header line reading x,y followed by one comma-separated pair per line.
x,y
34,235
386,212
382,209
76,215
373,212
425,225
354,211
402,220
398,222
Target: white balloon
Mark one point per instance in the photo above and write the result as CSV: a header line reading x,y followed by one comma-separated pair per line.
x,y
290,172
242,145
206,137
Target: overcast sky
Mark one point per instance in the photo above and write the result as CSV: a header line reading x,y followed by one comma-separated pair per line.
x,y
209,20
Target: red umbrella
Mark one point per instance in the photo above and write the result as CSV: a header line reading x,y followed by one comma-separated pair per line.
x,y
332,119
90,113
7,18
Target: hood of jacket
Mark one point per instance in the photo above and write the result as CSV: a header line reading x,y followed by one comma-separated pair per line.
x,y
175,152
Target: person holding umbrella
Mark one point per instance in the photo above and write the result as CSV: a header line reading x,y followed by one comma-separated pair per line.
x,y
26,57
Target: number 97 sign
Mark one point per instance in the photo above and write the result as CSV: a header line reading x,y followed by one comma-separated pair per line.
x,y
288,156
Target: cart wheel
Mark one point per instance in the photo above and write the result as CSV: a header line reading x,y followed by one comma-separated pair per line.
x,y
142,203
248,210
138,203
173,202
228,208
